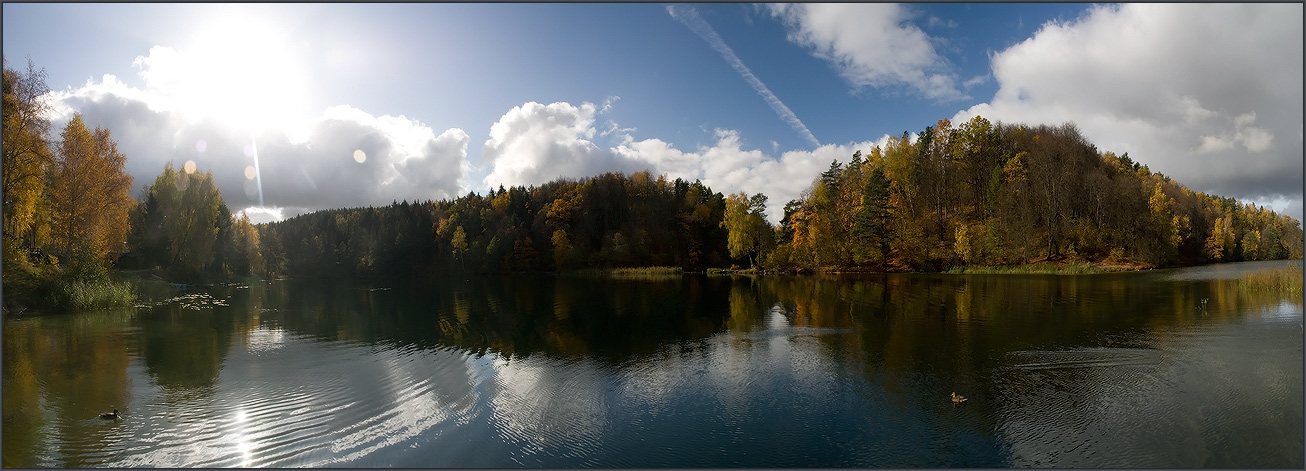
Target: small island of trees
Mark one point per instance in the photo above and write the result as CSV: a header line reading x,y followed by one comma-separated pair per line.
x,y
980,194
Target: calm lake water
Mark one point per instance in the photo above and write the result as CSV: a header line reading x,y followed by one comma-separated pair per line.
x,y
1170,368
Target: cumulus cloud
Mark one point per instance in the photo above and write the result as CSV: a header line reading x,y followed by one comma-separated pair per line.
x,y
871,45
345,157
534,143
1210,95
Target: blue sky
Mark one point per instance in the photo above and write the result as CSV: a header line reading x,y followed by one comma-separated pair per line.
x,y
443,99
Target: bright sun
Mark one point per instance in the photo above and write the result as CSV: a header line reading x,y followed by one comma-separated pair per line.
x,y
238,69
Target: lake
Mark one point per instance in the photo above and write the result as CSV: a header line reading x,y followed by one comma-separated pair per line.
x,y
1166,368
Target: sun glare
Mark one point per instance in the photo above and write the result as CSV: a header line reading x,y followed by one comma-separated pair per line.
x,y
238,69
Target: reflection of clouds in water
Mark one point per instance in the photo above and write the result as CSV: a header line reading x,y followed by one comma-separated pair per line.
x,y
290,401
414,411
739,371
1286,311
263,340
551,405
781,358
426,391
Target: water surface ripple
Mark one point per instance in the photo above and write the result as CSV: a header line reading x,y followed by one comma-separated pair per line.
x,y
1166,369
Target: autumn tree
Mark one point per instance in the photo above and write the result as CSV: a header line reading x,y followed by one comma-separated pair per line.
x,y
246,241
88,193
459,244
189,208
746,221
1219,245
27,158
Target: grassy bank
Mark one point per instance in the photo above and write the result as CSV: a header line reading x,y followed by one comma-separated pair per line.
x,y
1282,281
733,271
96,294
1031,269
633,272
51,288
1049,268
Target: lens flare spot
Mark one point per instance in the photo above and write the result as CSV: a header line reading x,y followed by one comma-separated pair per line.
x,y
200,145
189,167
359,156
249,172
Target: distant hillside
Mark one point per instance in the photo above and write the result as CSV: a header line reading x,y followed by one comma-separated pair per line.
x,y
985,194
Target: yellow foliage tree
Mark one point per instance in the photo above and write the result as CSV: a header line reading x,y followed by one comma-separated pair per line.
x,y
745,224
1215,243
190,201
26,157
247,244
561,249
88,195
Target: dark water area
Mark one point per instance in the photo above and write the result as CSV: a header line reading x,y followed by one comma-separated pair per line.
x,y
1169,368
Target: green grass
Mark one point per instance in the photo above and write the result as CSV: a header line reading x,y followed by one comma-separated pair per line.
x,y
1030,269
1286,280
732,271
633,272
97,294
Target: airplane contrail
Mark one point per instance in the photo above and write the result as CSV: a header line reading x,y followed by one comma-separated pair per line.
x,y
689,16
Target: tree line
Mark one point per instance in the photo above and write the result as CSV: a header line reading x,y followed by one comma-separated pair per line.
x,y
607,221
976,194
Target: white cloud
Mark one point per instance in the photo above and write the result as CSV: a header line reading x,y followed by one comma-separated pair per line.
x,y
871,44
303,166
262,214
1207,94
607,103
534,143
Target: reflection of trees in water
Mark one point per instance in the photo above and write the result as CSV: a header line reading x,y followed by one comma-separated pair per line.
x,y
509,315
67,368
920,336
903,320
183,349
907,319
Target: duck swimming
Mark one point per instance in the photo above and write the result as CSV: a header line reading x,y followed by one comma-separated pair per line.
x,y
957,398
111,415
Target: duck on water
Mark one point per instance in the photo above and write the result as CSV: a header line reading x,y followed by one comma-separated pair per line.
x,y
111,415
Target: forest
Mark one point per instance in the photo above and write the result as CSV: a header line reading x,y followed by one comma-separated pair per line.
x,y
978,194
608,221
984,194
